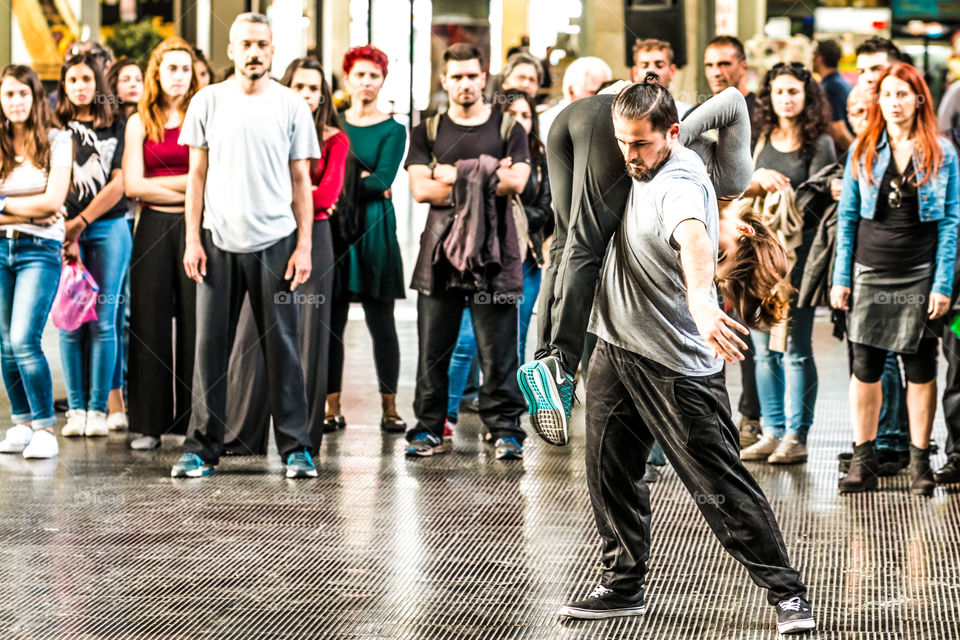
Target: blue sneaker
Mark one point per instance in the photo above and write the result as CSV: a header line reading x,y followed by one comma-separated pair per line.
x,y
190,465
425,444
300,465
508,449
548,391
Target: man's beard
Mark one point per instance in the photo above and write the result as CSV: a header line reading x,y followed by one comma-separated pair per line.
x,y
640,171
253,75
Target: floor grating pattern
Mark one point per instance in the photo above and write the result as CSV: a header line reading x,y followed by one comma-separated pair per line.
x,y
104,545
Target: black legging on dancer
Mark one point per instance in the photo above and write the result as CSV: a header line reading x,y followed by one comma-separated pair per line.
x,y
590,189
386,345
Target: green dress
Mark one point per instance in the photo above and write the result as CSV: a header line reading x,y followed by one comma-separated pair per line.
x,y
374,267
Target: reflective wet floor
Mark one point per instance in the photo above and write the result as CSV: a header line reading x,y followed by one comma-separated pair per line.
x,y
104,544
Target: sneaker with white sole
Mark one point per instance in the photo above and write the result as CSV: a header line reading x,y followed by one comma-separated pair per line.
x,y
789,451
96,424
42,445
549,392
603,603
76,423
16,439
145,443
794,616
762,449
117,421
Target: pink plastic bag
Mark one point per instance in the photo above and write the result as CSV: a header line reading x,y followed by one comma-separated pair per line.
x,y
76,300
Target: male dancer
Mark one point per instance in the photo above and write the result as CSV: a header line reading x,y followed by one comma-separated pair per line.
x,y
590,189
251,140
656,373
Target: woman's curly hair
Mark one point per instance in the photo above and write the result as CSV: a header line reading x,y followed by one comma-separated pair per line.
x,y
757,285
814,118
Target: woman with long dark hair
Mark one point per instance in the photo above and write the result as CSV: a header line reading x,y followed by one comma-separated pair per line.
x,y
161,295
97,235
35,164
248,413
370,270
900,209
125,78
538,209
793,143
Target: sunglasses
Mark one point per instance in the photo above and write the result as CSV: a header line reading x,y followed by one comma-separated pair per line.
x,y
895,196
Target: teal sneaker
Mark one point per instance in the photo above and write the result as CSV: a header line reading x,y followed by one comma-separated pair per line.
x,y
425,444
508,449
190,465
300,465
549,394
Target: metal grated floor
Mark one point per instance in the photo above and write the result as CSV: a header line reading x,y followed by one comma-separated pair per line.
x,y
105,545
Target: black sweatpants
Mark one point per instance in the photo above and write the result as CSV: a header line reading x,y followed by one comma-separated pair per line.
x,y
163,311
382,326
248,409
630,401
231,276
951,388
495,327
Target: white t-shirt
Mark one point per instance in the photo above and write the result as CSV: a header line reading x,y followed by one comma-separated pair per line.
x,y
28,180
250,141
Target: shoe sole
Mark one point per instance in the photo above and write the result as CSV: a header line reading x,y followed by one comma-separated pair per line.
x,y
426,453
797,626
755,457
543,400
787,460
71,434
97,434
36,457
510,456
197,473
865,489
586,614
293,473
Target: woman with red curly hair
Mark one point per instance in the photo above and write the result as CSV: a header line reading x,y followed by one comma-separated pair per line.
x,y
900,209
369,270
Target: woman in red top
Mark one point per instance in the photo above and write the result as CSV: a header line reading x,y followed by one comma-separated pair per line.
x,y
248,414
155,171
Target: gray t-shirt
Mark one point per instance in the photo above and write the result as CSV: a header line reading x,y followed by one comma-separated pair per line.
x,y
641,303
250,141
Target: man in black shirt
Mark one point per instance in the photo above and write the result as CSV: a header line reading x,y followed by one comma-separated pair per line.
x,y
468,131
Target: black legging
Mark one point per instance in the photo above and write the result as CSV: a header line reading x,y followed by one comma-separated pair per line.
x,y
386,345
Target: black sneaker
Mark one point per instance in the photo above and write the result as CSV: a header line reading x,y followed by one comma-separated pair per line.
x,y
603,603
794,616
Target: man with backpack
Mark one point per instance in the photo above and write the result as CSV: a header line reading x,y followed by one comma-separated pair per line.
x,y
465,163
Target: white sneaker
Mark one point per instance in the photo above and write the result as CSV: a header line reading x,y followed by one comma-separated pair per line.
x,y
76,423
766,445
42,445
16,439
117,421
96,424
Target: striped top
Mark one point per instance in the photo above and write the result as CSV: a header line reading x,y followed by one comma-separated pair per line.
x,y
28,180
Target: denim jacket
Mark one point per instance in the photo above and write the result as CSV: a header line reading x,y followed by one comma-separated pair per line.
x,y
939,201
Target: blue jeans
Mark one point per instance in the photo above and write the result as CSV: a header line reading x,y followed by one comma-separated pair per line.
x,y
29,277
105,251
123,323
891,432
466,349
787,377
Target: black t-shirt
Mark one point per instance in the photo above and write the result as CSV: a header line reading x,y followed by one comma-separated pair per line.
x,y
97,153
457,142
896,238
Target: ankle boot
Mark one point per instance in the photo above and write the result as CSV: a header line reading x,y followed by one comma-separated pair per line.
x,y
391,421
864,467
921,476
332,420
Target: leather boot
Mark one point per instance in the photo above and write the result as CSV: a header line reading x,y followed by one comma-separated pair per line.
x,y
332,420
391,421
921,476
864,467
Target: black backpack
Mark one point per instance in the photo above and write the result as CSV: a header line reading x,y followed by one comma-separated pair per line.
x,y
348,220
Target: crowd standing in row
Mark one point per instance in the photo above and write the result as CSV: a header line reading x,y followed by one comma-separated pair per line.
x,y
192,318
